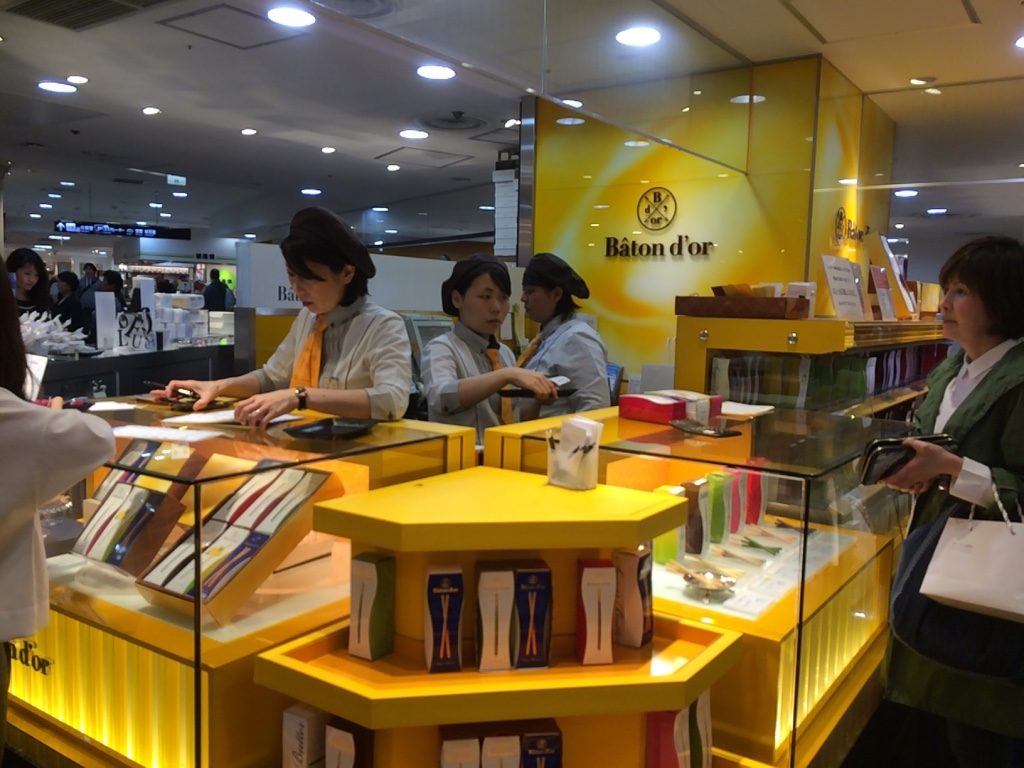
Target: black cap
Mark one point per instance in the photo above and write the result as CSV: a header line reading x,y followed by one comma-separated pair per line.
x,y
465,272
549,271
319,229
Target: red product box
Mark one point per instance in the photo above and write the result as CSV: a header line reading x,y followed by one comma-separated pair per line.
x,y
655,408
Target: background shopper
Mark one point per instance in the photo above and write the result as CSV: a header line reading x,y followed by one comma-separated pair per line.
x,y
343,354
44,451
31,282
976,396
68,307
566,345
464,369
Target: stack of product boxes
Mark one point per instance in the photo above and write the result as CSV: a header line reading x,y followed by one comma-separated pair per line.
x,y
180,316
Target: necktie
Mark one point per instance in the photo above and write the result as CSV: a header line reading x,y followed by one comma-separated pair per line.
x,y
493,354
306,372
529,352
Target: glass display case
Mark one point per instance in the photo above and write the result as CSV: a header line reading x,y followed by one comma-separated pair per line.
x,y
781,543
180,560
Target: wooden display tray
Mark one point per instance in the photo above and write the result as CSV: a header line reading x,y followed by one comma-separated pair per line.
x,y
743,306
397,692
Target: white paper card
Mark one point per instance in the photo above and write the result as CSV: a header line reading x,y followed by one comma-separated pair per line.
x,y
845,292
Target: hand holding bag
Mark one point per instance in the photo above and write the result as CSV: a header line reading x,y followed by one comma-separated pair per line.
x,y
965,639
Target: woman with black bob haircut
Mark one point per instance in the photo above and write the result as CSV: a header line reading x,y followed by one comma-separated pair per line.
x,y
31,281
63,447
464,369
977,397
343,354
566,345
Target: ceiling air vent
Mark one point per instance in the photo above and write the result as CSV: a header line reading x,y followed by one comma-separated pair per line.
x,y
360,9
126,181
78,14
456,120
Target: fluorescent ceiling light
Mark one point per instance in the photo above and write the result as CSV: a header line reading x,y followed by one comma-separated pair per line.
x,y
378,242
905,193
312,191
638,37
413,133
848,182
921,80
248,131
697,93
179,194
58,237
250,235
748,98
380,209
899,226
156,205
43,246
67,183
140,223
936,211
328,150
685,109
933,91
390,231
54,87
601,206
290,17
1019,43
54,195
595,225
435,72
46,206
151,111
635,143
164,215
570,121
394,167
574,103
35,215
78,79
486,207
512,122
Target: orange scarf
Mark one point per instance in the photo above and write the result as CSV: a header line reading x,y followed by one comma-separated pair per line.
x,y
306,371
494,355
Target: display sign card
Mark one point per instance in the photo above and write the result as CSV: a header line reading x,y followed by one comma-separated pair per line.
x,y
880,279
843,287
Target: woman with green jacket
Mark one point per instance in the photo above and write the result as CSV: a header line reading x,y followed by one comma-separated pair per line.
x,y
977,397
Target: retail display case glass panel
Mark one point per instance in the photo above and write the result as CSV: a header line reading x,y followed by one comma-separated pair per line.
x,y
781,543
188,553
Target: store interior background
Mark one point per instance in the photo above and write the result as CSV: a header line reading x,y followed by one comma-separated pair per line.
x,y
349,82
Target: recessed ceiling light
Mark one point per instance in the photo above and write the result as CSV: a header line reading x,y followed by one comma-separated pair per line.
x,y
1019,43
723,175
645,181
45,206
570,121
328,150
936,211
601,206
748,98
164,215
378,242
156,205
635,143
905,193
179,194
390,231
512,122
140,223
899,226
394,167
54,87
697,93
486,207
921,80
587,176
685,109
35,215
933,91
380,209
54,195
413,133
290,17
67,183
574,103
150,111
248,131
435,72
638,37
58,237
312,191
43,246
595,225
250,235
848,182
77,79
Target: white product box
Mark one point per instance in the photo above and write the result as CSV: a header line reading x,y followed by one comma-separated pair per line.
x,y
303,730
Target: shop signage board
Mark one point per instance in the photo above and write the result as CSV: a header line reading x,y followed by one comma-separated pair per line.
x,y
120,230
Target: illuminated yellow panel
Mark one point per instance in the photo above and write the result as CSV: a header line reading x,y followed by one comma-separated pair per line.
x,y
134,701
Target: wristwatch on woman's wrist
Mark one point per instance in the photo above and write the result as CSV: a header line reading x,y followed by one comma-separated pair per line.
x,y
301,395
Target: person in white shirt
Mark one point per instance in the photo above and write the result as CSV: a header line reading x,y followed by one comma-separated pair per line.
x,y
343,355
977,397
44,451
566,346
464,369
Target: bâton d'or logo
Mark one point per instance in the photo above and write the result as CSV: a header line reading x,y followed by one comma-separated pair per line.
x,y
656,209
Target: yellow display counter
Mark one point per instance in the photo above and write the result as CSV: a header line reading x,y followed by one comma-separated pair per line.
x,y
130,681
813,573
486,514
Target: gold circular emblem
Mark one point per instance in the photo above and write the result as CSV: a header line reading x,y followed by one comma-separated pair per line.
x,y
656,208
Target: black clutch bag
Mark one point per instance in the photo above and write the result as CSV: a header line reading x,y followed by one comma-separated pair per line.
x,y
886,456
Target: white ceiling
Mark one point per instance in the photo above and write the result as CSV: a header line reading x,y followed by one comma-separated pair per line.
x,y
350,83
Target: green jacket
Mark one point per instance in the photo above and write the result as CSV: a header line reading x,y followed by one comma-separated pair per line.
x,y
989,427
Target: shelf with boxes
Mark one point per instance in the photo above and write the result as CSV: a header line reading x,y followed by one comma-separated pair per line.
x,y
780,543
483,536
125,637
830,365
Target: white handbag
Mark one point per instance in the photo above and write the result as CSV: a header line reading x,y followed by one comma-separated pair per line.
x,y
978,566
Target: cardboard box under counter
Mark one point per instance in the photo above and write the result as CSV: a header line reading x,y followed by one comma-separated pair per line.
x,y
303,729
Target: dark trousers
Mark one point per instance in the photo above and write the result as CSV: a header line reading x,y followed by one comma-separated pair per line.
x,y
978,748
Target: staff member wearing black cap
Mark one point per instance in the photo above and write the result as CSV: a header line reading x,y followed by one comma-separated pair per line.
x,y
464,369
566,345
343,355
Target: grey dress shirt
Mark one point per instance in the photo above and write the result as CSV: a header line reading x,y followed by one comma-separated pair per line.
x,y
573,349
365,347
459,354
